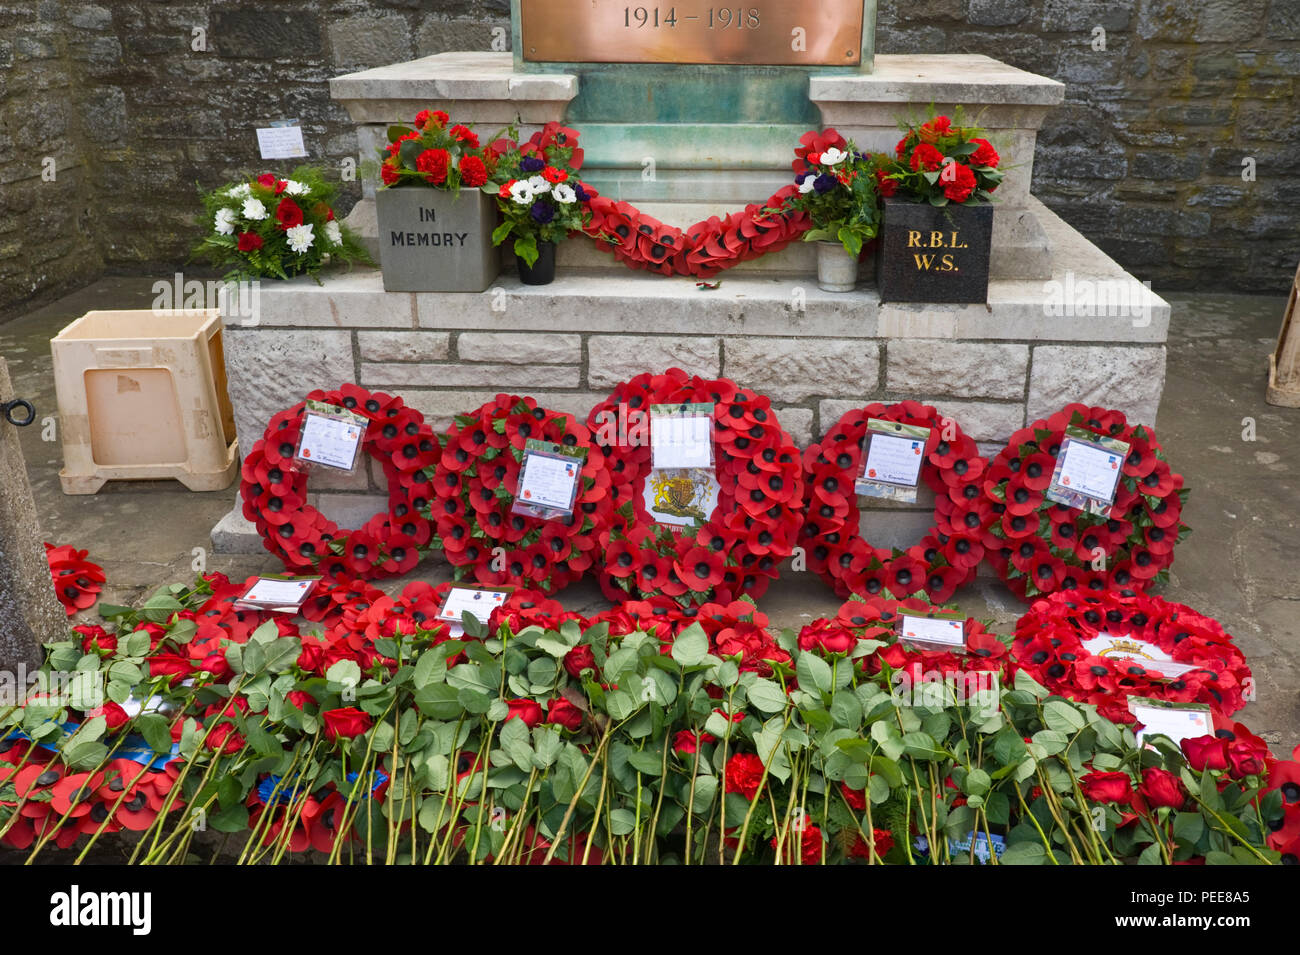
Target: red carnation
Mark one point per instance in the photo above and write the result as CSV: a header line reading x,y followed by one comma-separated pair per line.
x,y
248,241
884,184
986,155
465,135
744,774
347,721
958,182
388,172
288,214
472,171
1107,787
926,156
1161,788
434,164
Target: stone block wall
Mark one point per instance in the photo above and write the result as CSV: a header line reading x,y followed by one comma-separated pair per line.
x,y
136,107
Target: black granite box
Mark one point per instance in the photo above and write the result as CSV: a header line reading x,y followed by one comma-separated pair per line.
x,y
934,253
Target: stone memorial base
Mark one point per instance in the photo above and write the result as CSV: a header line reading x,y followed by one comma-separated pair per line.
x,y
992,367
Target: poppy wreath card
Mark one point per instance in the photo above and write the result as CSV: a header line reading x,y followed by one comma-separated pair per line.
x,y
273,486
944,559
366,730
1104,647
735,550
473,498
1038,546
268,227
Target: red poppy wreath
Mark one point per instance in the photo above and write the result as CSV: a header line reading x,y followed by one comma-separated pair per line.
x,y
729,550
1038,546
1104,647
944,559
274,489
476,487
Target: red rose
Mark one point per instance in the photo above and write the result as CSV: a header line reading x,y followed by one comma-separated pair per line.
x,y
1206,752
926,156
224,739
113,714
856,798
686,742
266,180
301,699
1107,787
465,135
744,774
1162,788
288,214
169,664
1244,759
578,659
553,175
986,155
527,710
434,164
563,713
828,638
472,171
883,838
248,241
348,721
96,639
958,182
217,664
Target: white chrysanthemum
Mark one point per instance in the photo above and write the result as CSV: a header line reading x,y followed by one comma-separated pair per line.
x,y
539,185
564,194
300,238
295,188
521,192
254,210
833,157
333,234
241,191
806,186
225,221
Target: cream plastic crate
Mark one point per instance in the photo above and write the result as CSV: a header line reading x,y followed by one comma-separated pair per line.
x,y
142,396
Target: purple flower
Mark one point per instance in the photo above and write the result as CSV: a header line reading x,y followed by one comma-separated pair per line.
x,y
582,194
532,164
798,180
825,183
542,212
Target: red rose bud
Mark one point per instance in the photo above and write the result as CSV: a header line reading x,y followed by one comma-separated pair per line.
x,y
301,699
1161,788
527,710
1206,752
578,659
1107,787
218,666
563,713
288,214
113,714
348,721
248,241
1244,759
687,742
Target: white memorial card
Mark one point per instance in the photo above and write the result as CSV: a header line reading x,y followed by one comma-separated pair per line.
x,y
934,631
1178,723
330,441
681,436
549,482
278,593
479,604
1091,471
281,142
894,460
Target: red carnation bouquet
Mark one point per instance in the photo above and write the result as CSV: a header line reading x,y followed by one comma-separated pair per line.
x,y
940,161
439,153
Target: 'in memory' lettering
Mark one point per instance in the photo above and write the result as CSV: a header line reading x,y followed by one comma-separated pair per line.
x,y
425,239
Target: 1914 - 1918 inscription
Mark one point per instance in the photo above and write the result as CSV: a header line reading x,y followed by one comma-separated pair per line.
x,y
784,33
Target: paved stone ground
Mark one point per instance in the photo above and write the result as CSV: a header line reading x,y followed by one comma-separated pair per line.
x,y
1241,564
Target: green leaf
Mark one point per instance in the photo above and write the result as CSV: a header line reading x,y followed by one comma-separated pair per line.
x,y
155,730
814,671
646,761
1024,853
439,701
691,646
1188,827
1059,715
767,696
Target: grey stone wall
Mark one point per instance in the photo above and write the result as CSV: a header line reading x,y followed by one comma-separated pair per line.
x,y
137,101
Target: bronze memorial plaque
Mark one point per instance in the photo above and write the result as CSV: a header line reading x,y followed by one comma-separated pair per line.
x,y
768,32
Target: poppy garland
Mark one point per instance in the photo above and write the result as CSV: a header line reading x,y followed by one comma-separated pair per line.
x,y
1049,644
77,580
477,480
738,549
274,491
944,559
1037,546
